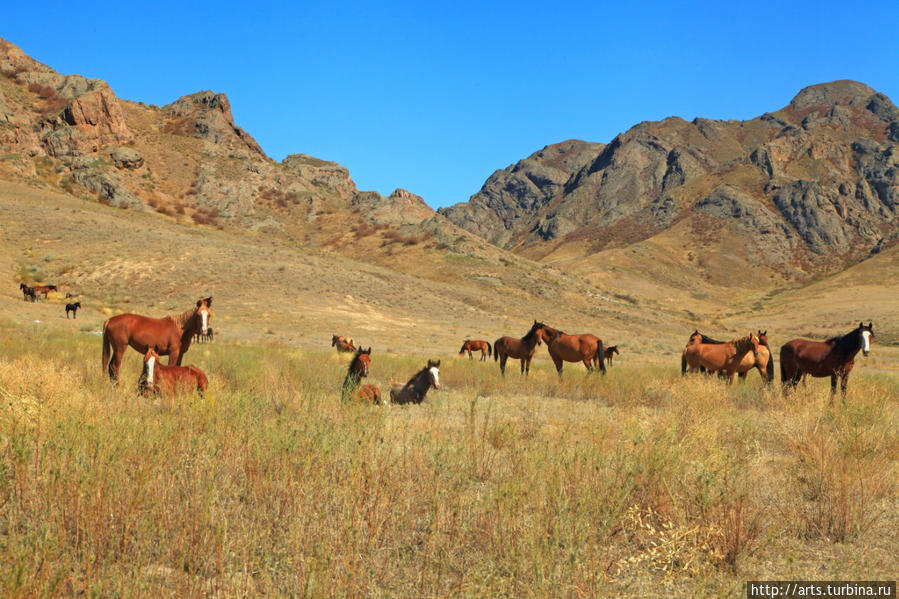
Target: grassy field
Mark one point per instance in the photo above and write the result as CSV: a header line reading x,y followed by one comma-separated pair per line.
x,y
638,484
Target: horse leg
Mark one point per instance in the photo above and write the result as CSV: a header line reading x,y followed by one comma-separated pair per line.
x,y
483,356
502,364
116,363
558,364
469,355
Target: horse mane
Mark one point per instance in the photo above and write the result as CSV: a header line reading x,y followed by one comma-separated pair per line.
x,y
710,341
742,342
845,344
181,319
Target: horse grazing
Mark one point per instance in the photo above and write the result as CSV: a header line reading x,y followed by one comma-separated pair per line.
x,y
27,292
520,349
834,357
415,390
73,308
717,357
158,378
358,369
343,344
563,347
471,345
609,352
171,336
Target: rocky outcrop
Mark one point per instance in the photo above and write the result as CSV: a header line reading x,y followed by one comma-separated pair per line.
x,y
818,176
399,208
208,115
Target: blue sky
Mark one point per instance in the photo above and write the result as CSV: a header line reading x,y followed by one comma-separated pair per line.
x,y
435,96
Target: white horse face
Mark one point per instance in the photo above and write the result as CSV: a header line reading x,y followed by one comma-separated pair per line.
x,y
866,342
435,374
151,364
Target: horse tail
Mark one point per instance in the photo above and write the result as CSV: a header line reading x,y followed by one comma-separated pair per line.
x,y
770,368
600,355
786,368
106,348
683,363
496,347
489,351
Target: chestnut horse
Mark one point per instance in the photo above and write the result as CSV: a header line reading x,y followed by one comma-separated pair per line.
x,y
521,349
170,336
563,347
611,351
169,380
471,345
343,344
415,390
834,357
764,361
358,369
719,356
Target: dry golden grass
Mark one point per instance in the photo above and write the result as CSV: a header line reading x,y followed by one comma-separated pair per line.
x,y
639,483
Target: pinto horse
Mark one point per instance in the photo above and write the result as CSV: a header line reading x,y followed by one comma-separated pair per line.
x,y
343,344
521,349
563,347
158,378
471,345
611,351
358,369
834,357
717,357
171,336
415,390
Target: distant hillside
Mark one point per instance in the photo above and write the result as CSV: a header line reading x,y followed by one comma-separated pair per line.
x,y
813,186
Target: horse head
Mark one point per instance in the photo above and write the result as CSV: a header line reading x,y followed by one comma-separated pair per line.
x,y
866,332
754,344
362,361
150,358
203,311
763,337
434,373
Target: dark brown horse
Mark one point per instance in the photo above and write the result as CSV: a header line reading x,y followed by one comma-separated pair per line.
x,y
343,344
611,351
170,336
158,378
27,292
563,347
834,357
359,368
471,345
415,390
520,349
716,357
73,308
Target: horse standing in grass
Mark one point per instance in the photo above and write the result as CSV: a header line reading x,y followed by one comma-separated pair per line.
x,y
563,347
170,336
27,292
763,361
343,344
415,390
471,345
73,308
358,369
43,290
719,356
158,378
521,349
609,352
834,357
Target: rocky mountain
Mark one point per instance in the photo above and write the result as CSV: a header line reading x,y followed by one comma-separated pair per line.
x,y
187,160
812,186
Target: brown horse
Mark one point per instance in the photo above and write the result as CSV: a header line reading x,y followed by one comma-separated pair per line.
x,y
563,347
764,361
43,290
415,390
343,344
170,336
520,349
834,357
719,356
27,292
611,351
471,345
158,378
358,369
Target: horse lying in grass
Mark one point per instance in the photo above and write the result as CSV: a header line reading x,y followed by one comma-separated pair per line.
x,y
159,379
358,369
415,390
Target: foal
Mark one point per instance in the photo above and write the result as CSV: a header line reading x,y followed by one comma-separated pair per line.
x,y
415,390
358,369
169,380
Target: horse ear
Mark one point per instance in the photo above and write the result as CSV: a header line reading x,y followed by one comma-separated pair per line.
x,y
209,301
368,351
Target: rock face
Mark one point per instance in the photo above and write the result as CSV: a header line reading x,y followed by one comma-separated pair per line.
x,y
209,116
399,208
819,176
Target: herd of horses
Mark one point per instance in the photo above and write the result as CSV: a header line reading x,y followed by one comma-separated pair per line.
x,y
172,336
